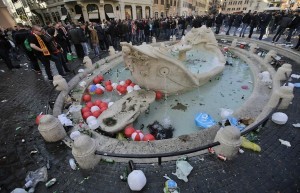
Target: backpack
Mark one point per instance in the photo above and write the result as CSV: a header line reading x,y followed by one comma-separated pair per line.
x,y
27,45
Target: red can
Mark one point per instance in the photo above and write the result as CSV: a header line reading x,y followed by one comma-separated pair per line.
x,y
211,150
221,157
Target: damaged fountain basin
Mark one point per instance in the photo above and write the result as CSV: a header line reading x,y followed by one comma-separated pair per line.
x,y
236,87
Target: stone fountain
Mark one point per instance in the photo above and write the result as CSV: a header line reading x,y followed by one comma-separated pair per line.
x,y
154,68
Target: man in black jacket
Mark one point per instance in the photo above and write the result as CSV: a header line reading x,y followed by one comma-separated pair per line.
x,y
254,23
294,25
219,22
265,19
283,24
74,35
246,21
4,49
20,36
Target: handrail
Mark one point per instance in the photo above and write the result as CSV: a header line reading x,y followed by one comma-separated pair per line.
x,y
159,155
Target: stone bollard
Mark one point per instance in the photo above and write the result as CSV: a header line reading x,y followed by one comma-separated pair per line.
x,y
84,152
284,69
174,38
111,50
51,129
284,92
234,42
230,141
253,48
153,39
269,56
61,83
87,62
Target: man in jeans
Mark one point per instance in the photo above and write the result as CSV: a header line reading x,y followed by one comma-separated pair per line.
x,y
246,21
83,39
294,25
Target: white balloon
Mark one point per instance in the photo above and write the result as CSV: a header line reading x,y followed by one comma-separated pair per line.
x,y
279,118
122,82
129,88
74,135
98,85
136,180
110,103
95,108
136,87
114,85
90,118
94,124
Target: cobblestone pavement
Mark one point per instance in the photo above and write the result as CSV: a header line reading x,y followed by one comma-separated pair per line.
x,y
275,169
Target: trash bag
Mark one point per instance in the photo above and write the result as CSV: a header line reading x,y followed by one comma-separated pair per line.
x,y
250,145
69,56
204,120
159,132
183,169
33,178
225,113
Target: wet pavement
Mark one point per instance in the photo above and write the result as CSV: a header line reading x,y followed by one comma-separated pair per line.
x,y
24,94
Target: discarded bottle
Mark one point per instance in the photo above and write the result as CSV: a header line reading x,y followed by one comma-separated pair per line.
x,y
72,164
108,160
50,182
171,187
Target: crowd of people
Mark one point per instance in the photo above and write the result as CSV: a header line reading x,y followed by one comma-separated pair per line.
x,y
52,42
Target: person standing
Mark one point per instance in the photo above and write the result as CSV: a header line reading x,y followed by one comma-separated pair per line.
x,y
297,47
230,22
74,35
94,40
219,22
20,36
254,23
237,22
40,49
265,19
246,21
4,49
295,23
283,24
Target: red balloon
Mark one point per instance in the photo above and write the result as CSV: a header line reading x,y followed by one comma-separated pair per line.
x,y
242,46
99,91
37,120
97,102
108,83
85,109
132,84
103,109
89,104
97,113
109,88
128,131
119,87
87,98
123,90
148,137
96,80
101,78
159,95
85,115
103,104
128,81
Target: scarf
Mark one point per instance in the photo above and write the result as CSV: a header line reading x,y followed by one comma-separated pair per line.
x,y
64,30
42,45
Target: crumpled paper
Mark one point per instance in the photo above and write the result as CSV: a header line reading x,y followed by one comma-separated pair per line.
x,y
183,169
286,143
297,76
64,120
75,108
296,125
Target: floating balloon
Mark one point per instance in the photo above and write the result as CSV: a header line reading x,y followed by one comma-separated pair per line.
x,y
85,109
108,83
158,95
85,115
97,102
89,104
99,91
128,131
122,82
95,108
137,135
148,137
109,88
86,97
128,81
136,87
97,113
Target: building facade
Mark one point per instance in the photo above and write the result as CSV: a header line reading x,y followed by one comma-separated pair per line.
x,y
43,11
232,6
6,17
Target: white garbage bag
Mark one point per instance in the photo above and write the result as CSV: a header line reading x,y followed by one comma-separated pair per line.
x,y
183,169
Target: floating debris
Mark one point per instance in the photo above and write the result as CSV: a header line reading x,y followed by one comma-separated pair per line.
x,y
180,106
286,143
50,182
3,101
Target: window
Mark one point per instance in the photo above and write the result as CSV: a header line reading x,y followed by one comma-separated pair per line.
x,y
246,2
171,2
238,8
155,1
174,2
156,15
162,2
228,9
245,8
233,9
162,14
